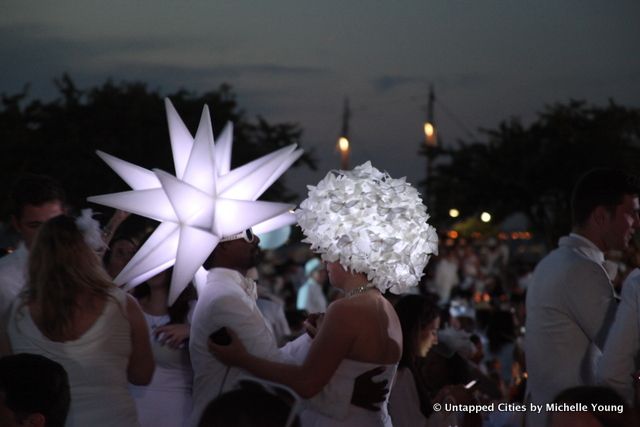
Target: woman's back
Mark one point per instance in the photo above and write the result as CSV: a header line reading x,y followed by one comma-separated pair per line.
x,y
96,361
377,332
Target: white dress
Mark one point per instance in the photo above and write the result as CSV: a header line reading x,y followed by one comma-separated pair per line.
x,y
96,363
344,376
166,401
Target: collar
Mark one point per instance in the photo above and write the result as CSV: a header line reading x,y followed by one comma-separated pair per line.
x,y
587,248
246,284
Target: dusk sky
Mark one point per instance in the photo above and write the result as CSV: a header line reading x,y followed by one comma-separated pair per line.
x,y
296,61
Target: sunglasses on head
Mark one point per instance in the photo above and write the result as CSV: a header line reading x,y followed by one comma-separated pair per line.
x,y
247,235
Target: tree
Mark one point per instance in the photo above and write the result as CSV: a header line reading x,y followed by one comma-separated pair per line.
x,y
532,169
127,120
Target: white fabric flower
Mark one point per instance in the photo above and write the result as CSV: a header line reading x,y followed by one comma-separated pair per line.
x,y
370,223
90,229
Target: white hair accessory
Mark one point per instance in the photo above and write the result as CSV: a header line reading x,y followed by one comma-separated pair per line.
x,y
90,229
370,223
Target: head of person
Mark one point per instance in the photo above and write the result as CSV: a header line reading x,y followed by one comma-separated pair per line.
x,y
34,200
603,407
314,269
251,405
121,249
34,391
362,221
61,266
604,206
419,317
238,252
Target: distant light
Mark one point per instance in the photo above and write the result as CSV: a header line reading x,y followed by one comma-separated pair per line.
x,y
430,133
485,217
454,213
343,144
453,234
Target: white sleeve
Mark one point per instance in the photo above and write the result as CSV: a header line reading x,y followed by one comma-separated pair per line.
x,y
622,349
590,300
335,397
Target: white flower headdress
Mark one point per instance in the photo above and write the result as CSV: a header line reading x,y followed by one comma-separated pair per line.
x,y
370,223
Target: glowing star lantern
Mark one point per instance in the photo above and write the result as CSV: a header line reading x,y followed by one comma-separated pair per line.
x,y
205,201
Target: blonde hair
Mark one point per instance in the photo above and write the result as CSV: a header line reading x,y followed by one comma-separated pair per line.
x,y
62,267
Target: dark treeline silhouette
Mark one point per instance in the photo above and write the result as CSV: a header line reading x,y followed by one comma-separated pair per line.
x,y
531,169
127,119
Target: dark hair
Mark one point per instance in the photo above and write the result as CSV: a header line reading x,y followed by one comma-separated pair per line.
x,y
415,312
31,384
600,187
598,395
250,406
36,190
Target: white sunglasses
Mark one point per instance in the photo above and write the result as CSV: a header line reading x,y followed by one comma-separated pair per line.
x,y
247,235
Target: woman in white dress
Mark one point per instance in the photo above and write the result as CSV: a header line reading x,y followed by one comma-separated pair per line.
x,y
73,314
372,232
167,400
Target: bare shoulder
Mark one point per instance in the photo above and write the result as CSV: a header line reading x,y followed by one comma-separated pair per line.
x,y
354,310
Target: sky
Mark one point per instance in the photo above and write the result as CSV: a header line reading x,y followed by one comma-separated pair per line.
x,y
296,61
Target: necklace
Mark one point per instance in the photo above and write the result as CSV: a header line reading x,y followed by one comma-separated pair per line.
x,y
359,290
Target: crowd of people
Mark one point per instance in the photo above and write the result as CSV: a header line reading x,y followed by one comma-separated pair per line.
x,y
329,334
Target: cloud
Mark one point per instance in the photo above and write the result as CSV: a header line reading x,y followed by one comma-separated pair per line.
x,y
389,82
38,54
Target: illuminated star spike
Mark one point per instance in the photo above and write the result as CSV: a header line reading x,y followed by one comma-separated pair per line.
x,y
205,201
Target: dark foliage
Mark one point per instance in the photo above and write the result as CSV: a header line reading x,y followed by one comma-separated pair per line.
x,y
127,120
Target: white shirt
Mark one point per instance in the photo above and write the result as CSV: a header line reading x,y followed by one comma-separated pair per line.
x,y
311,297
229,300
621,356
13,276
570,308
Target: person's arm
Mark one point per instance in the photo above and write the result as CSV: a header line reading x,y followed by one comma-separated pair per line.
x,y
329,348
116,219
623,344
590,299
141,364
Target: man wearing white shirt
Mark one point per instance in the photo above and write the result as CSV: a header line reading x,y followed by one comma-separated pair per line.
x,y
229,300
35,199
621,354
571,302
